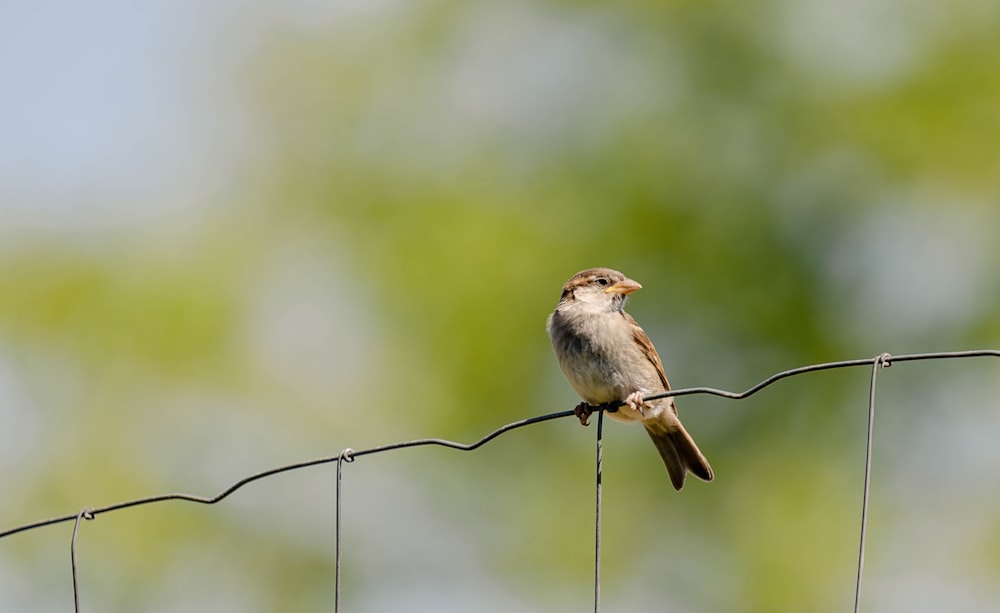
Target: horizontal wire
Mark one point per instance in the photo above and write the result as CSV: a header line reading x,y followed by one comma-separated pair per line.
x,y
909,357
611,407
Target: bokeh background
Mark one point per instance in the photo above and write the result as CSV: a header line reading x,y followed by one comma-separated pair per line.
x,y
240,234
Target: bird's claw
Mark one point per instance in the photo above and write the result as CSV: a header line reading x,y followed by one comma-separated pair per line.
x,y
634,401
583,412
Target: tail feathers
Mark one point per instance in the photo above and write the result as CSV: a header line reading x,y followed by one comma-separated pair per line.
x,y
679,452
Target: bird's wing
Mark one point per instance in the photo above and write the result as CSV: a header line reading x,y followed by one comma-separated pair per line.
x,y
646,346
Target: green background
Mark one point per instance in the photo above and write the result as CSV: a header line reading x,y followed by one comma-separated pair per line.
x,y
249,234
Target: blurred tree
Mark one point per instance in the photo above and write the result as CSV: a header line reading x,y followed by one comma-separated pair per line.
x,y
792,183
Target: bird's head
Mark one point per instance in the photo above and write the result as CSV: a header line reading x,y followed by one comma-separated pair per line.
x,y
601,289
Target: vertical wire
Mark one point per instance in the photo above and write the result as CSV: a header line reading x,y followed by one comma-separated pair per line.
x,y
84,513
597,522
345,456
880,361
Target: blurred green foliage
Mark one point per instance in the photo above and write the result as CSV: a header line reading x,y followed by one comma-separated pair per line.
x,y
424,176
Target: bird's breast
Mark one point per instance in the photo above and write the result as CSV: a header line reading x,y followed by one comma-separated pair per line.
x,y
593,355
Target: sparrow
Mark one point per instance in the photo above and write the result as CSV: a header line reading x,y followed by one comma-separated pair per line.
x,y
608,358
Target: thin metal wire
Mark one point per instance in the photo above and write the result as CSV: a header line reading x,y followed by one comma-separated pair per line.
x,y
910,357
492,435
883,360
296,466
347,455
84,513
597,521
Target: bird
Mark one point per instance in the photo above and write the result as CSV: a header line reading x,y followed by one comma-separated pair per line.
x,y
608,358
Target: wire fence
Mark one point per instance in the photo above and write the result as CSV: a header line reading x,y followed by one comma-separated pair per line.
x,y
348,455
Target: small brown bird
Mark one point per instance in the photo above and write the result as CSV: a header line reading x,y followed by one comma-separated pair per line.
x,y
607,357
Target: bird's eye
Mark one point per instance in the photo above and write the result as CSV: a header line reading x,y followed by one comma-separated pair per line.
x,y
601,281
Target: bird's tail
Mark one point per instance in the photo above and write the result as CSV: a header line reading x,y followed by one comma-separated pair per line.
x,y
679,452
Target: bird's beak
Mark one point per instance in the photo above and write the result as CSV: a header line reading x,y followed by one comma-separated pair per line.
x,y
624,287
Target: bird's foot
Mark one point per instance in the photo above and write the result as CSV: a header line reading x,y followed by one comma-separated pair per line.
x,y
634,401
582,412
